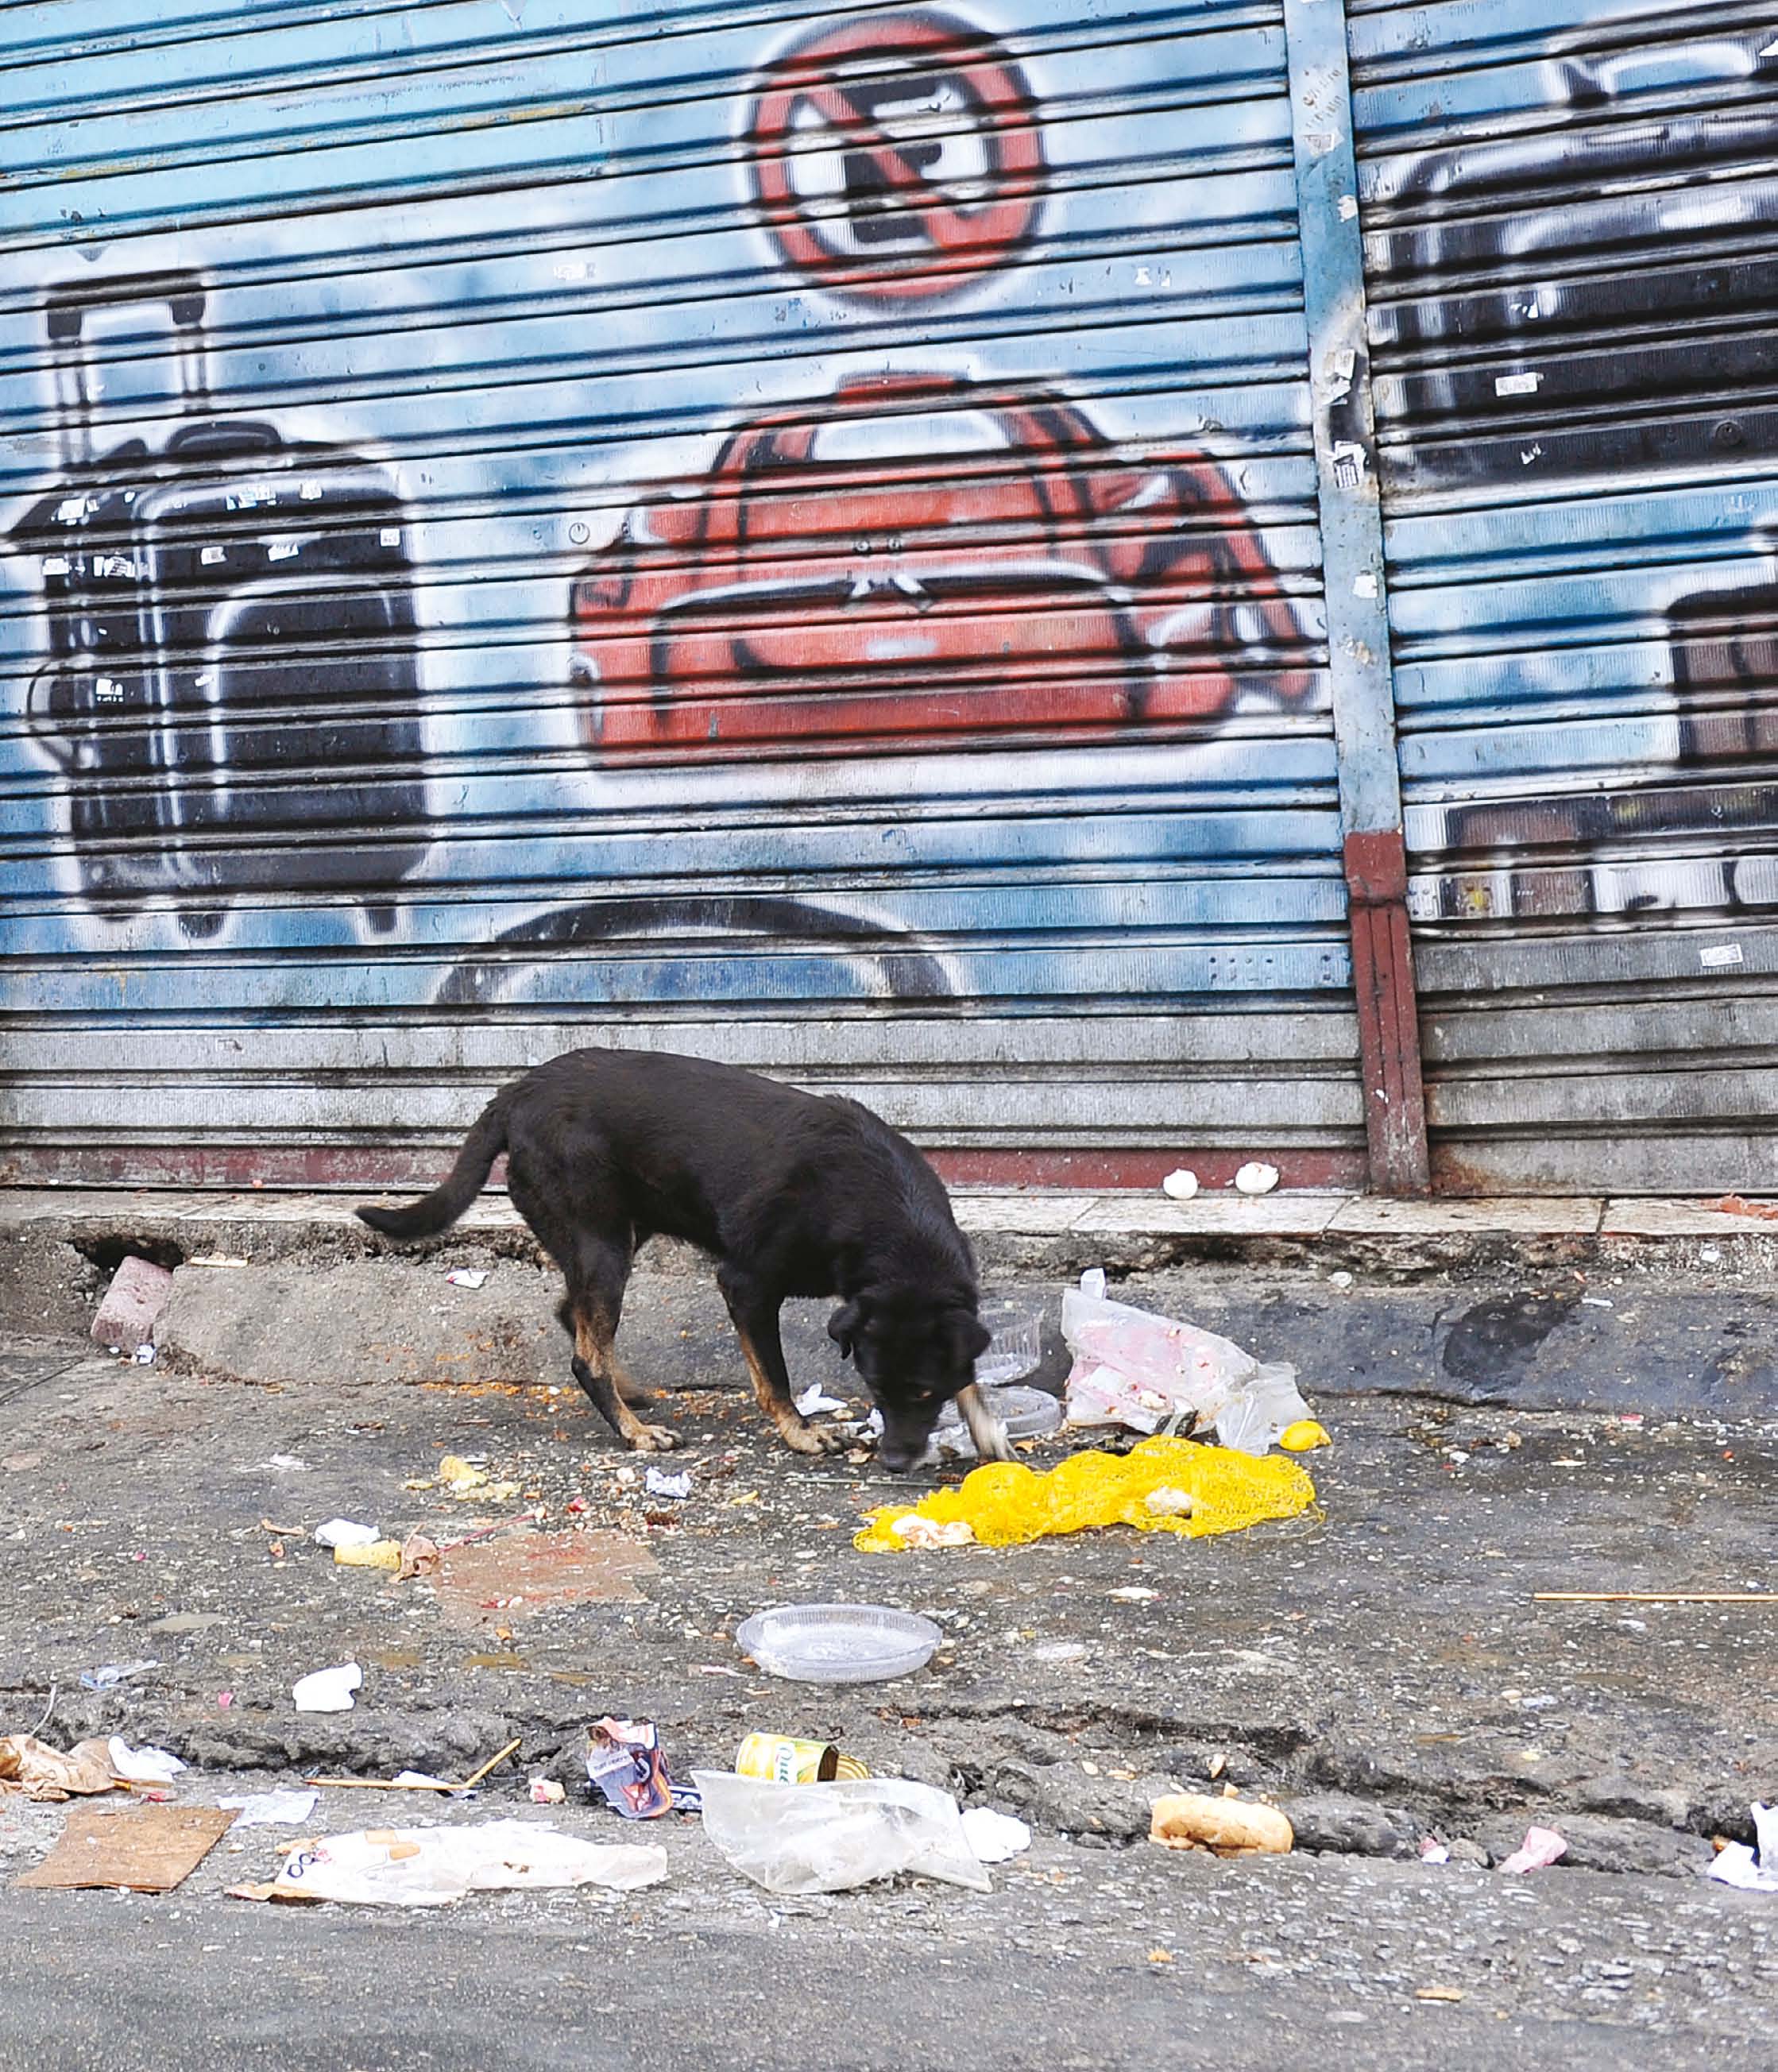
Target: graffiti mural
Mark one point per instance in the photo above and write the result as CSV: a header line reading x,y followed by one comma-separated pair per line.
x,y
763,521
924,561
231,692
1573,330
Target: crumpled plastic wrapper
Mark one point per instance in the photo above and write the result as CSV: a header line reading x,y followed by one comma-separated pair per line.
x,y
433,1866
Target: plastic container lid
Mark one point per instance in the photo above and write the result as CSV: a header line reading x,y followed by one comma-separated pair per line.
x,y
838,1643
1027,1413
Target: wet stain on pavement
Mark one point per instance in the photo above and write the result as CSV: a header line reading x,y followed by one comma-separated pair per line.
x,y
1490,1344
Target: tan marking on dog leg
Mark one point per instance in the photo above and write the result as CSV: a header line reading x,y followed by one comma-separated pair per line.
x,y
794,1428
637,1394
593,1345
985,1428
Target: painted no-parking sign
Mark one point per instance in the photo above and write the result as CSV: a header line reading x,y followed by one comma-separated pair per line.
x,y
897,158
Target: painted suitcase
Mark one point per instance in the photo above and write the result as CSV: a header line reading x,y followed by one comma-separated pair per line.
x,y
232,691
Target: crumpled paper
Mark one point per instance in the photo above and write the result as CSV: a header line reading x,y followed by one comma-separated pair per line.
x,y
33,1769
1755,1869
142,1766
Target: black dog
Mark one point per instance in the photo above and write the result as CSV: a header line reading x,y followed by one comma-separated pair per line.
x,y
792,1194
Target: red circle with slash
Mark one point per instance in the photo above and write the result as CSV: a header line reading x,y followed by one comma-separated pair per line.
x,y
897,157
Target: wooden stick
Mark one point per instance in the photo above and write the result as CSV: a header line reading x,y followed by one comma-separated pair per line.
x,y
493,1762
388,1784
376,1784
1654,1596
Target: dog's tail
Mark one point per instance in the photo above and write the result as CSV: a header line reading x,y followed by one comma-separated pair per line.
x,y
440,1209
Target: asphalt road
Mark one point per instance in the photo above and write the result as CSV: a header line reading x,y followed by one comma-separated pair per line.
x,y
1078,1960
1380,1666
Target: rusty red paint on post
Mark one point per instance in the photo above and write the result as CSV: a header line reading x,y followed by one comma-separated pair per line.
x,y
1389,1026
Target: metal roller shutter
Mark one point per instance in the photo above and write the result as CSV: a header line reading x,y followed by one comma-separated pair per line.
x,y
1571,242
793,540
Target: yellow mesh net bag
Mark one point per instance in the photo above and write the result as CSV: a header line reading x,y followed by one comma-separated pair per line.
x,y
1160,1485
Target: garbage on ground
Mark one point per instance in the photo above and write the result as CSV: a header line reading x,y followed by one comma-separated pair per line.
x,y
142,1766
1256,1178
1433,1851
1161,1484
113,1673
677,1487
33,1770
420,1557
339,1532
839,1643
808,1838
144,1355
1021,1413
328,1690
782,1759
1180,1186
923,1535
463,1480
1225,1827
1133,1368
1303,1437
814,1399
138,1293
433,1866
271,1809
624,1760
1755,1869
467,1277
996,1838
546,1792
370,1554
1540,1849
147,1849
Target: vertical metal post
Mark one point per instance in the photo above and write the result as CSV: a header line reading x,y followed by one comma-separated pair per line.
x,y
1357,603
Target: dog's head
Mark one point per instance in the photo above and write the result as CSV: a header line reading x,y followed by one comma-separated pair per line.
x,y
916,1351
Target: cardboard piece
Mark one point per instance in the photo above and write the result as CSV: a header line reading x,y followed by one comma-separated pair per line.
x,y
147,1849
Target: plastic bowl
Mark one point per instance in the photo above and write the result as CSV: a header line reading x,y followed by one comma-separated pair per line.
x,y
1016,1347
838,1643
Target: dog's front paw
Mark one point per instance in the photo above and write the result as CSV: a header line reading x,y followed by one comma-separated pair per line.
x,y
653,1439
813,1440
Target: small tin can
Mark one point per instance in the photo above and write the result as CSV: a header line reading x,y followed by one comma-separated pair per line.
x,y
782,1759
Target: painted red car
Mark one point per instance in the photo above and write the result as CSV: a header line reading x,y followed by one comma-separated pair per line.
x,y
923,560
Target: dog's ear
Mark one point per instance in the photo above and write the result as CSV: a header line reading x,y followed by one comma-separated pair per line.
x,y
843,1325
970,1337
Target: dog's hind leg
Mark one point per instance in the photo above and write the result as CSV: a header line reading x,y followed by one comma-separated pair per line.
x,y
596,1372
594,1303
632,1391
756,1325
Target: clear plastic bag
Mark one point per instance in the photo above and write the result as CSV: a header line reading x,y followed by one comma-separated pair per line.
x,y
1135,1368
1262,1410
802,1838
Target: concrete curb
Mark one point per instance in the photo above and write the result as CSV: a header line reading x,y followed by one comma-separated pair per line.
x,y
58,1247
